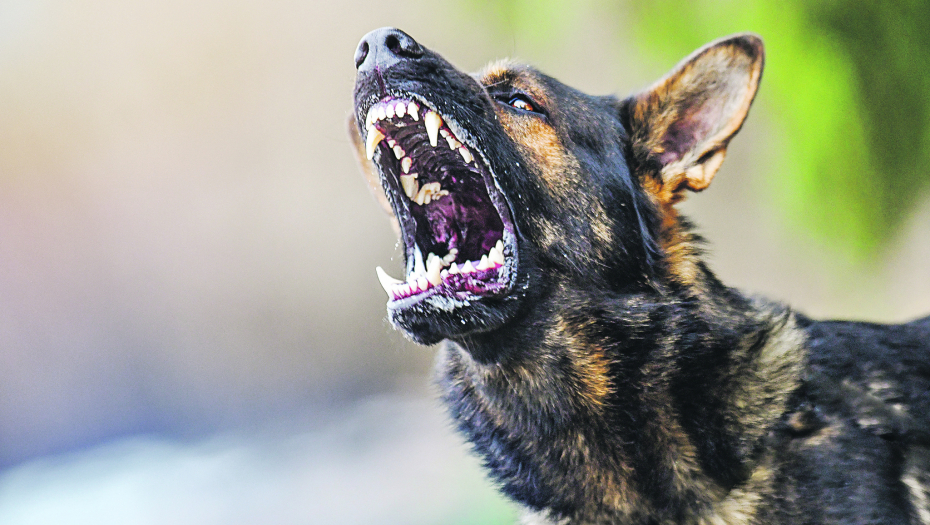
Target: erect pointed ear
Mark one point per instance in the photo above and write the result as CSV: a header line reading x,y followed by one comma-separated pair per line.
x,y
682,124
370,171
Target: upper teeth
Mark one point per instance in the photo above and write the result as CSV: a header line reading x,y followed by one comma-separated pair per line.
x,y
431,272
432,121
371,142
434,125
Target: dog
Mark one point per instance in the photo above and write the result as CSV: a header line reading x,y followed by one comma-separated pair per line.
x,y
593,360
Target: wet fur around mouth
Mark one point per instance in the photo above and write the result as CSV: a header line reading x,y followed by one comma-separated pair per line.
x,y
596,364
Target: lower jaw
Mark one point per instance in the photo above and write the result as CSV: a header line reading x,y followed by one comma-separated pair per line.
x,y
431,318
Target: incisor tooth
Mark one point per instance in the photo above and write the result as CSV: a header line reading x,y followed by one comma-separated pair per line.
x,y
389,111
382,113
405,164
387,282
401,109
413,110
374,138
432,121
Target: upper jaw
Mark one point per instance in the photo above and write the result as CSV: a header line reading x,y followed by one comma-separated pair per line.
x,y
457,227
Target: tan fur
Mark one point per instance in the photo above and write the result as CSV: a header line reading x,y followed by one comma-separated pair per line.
x,y
741,504
726,71
763,384
918,483
558,169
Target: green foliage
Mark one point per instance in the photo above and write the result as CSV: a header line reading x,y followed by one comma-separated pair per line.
x,y
847,84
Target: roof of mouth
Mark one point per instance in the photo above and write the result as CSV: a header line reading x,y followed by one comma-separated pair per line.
x,y
453,231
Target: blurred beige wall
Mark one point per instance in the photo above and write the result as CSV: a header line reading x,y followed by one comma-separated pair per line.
x,y
186,244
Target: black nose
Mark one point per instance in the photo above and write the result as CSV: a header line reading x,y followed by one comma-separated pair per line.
x,y
382,48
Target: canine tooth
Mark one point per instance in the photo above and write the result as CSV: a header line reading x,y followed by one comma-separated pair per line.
x,y
419,268
466,155
433,267
413,110
432,121
405,164
410,185
454,269
382,113
374,138
401,109
398,151
387,282
389,111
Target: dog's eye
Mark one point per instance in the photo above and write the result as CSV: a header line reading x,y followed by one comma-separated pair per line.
x,y
522,102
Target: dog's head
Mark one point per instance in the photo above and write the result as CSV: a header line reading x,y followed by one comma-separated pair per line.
x,y
507,184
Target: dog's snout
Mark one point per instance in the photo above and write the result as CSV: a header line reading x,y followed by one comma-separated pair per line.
x,y
385,47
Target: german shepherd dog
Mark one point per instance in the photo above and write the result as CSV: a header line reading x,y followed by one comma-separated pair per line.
x,y
596,364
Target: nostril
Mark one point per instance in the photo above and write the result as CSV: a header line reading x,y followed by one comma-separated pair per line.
x,y
361,54
403,46
392,43
383,48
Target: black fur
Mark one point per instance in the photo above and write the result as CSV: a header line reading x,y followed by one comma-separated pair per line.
x,y
615,379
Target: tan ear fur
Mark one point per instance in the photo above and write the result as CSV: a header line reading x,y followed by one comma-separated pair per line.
x,y
685,120
370,171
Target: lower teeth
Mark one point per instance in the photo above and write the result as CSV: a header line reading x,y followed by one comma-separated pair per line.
x,y
431,272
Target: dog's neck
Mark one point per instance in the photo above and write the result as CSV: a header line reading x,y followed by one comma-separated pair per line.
x,y
633,393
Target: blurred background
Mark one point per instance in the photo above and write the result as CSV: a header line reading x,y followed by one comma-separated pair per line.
x,y
191,330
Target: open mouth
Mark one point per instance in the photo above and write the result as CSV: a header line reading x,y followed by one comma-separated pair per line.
x,y
456,227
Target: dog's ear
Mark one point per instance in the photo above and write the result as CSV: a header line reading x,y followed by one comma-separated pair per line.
x,y
682,124
370,171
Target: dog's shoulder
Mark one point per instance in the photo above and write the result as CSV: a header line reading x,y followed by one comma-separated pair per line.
x,y
858,430
876,374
